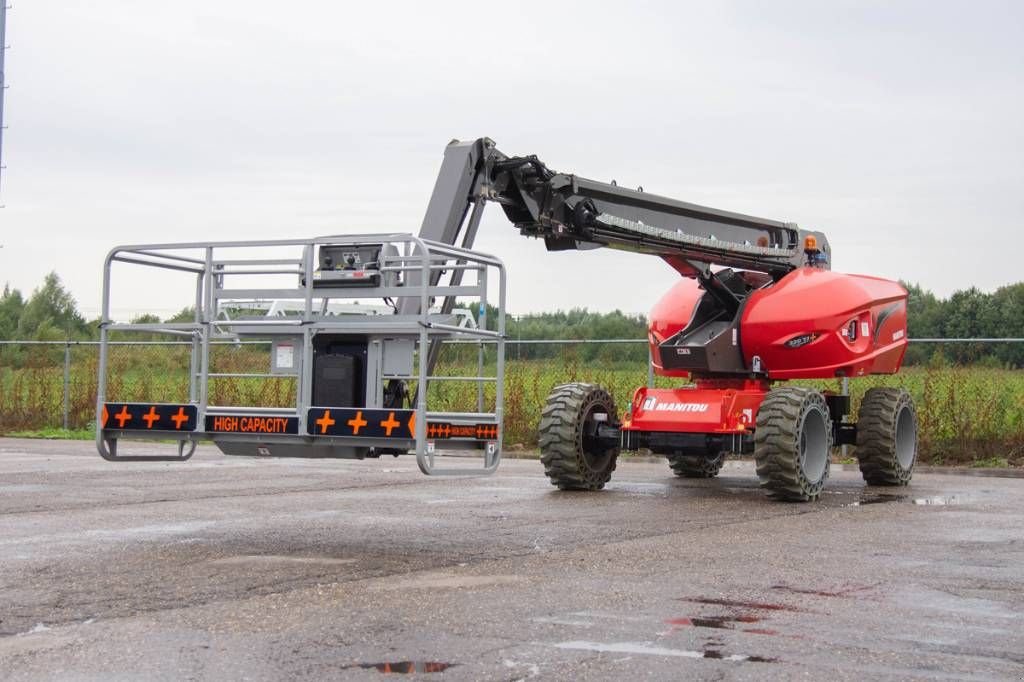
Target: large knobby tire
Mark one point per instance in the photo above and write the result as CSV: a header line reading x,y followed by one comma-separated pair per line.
x,y
573,458
697,466
792,443
887,436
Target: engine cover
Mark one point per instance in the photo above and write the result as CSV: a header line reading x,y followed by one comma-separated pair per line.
x,y
812,323
818,324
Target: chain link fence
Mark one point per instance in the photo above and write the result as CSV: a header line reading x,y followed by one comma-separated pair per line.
x,y
965,412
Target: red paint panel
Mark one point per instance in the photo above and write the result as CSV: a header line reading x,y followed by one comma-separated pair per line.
x,y
825,304
708,407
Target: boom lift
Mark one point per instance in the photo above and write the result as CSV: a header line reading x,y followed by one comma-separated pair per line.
x,y
757,304
772,311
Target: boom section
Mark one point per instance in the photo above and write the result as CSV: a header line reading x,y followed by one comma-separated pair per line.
x,y
572,212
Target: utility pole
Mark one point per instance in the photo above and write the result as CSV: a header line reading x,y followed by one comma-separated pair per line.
x,y
3,86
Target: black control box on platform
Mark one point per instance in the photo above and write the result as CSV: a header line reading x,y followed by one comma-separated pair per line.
x,y
339,371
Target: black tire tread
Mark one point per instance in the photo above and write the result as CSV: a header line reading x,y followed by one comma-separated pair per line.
x,y
560,437
777,444
696,466
876,437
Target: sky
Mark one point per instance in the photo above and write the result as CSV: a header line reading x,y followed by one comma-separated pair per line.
x,y
894,127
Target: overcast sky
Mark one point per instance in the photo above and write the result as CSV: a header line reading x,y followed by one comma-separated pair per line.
x,y
895,127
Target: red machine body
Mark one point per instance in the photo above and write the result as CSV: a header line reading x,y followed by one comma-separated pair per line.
x,y
811,324
854,324
711,406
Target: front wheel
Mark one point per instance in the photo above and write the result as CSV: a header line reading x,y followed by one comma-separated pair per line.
x,y
792,443
574,456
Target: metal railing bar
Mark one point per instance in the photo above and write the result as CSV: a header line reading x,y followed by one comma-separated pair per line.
x,y
165,266
170,256
258,261
248,375
438,378
260,272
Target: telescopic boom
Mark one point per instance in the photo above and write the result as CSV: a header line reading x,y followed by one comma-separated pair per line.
x,y
572,212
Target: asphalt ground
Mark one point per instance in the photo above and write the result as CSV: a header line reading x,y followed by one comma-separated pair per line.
x,y
233,568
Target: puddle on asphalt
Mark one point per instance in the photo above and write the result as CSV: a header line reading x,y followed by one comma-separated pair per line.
x,y
647,649
750,605
721,623
404,667
869,498
714,653
636,488
843,592
934,501
717,622
942,501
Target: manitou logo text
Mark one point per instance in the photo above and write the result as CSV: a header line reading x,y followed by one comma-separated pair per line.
x,y
652,404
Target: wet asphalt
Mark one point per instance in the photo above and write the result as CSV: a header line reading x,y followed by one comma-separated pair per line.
x,y
232,568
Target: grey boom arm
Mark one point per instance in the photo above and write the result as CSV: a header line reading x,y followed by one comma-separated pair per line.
x,y
571,212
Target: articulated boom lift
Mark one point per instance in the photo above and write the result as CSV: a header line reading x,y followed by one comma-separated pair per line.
x,y
770,310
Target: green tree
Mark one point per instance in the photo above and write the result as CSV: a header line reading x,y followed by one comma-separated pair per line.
x,y
186,314
51,314
11,306
966,314
925,313
578,323
1006,319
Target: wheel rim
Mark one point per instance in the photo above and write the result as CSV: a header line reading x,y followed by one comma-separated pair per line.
x,y
906,437
813,445
596,457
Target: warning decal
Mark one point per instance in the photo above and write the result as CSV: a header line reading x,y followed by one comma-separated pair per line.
x,y
373,423
362,423
146,417
251,423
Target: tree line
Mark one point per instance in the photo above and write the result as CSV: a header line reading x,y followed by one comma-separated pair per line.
x,y
968,313
50,313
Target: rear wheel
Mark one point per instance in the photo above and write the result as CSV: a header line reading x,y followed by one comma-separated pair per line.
x,y
792,443
574,457
697,466
887,436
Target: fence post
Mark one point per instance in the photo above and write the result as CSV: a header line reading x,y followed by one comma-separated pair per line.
x,y
845,391
67,382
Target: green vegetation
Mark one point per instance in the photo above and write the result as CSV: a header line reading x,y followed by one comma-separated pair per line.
x,y
991,462
50,314
50,433
969,313
968,414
